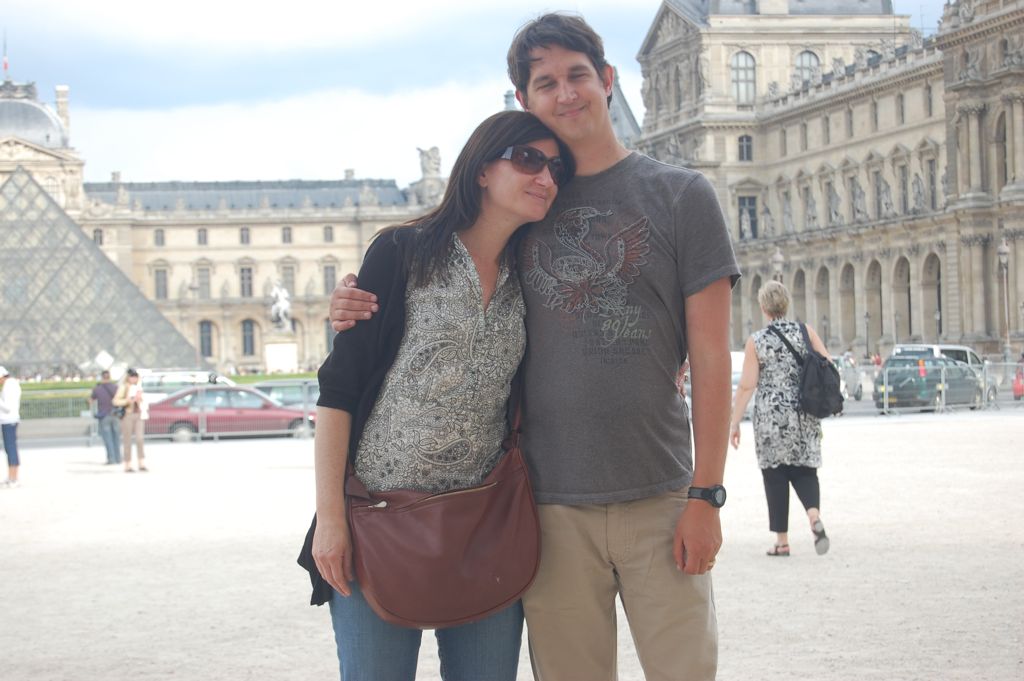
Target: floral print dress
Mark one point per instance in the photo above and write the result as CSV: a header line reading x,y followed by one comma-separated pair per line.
x,y
782,433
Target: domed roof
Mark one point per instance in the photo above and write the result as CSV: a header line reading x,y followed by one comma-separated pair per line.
x,y
31,121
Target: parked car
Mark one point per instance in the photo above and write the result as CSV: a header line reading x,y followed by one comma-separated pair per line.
x,y
224,410
291,392
928,382
960,353
849,377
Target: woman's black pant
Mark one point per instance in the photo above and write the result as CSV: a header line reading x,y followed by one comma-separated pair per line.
x,y
776,488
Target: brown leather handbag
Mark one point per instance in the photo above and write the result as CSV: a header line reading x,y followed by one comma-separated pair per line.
x,y
427,560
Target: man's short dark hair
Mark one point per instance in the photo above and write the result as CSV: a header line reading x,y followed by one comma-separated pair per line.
x,y
568,31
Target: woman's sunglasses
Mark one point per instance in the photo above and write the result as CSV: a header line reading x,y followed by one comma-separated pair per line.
x,y
530,161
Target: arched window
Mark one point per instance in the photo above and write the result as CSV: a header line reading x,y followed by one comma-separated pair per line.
x,y
243,236
286,235
328,234
248,337
744,78
201,237
97,237
158,237
806,62
206,338
746,150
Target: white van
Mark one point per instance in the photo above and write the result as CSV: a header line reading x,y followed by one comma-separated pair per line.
x,y
159,383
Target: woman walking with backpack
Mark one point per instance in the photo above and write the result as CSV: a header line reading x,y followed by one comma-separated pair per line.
x,y
786,439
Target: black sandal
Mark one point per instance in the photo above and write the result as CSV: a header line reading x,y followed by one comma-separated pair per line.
x,y
821,542
779,550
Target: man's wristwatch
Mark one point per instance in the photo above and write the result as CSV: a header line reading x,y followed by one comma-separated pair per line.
x,y
714,495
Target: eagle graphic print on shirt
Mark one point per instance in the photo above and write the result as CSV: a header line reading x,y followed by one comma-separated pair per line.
x,y
582,279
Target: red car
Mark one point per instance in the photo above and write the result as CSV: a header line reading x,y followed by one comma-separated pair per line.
x,y
214,411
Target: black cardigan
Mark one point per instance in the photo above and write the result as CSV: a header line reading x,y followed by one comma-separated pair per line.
x,y
353,374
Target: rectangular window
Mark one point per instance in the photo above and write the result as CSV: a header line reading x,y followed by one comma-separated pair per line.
x,y
849,123
928,111
746,148
826,130
286,235
874,116
206,339
245,282
904,191
160,284
288,278
328,234
201,236
748,206
243,236
782,142
248,338
203,282
828,199
330,279
901,114
803,137
158,237
933,185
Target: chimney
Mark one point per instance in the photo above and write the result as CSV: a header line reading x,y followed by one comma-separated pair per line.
x,y
62,107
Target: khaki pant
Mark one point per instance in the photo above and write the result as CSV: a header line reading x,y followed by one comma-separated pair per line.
x,y
591,553
132,426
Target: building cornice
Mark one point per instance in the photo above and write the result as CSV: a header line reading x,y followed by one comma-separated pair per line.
x,y
979,28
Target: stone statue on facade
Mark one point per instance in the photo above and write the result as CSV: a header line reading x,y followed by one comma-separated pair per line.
x,y
860,58
673,154
945,185
696,147
280,308
838,67
796,82
860,207
972,65
647,94
703,71
917,185
767,221
744,224
888,208
916,39
810,212
816,74
430,162
1014,50
773,90
966,11
835,207
888,50
787,215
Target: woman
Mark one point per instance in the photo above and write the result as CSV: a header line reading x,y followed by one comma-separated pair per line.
x,y
133,423
787,441
418,394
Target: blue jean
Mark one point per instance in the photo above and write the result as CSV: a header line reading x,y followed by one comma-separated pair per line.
x,y
10,434
110,431
370,649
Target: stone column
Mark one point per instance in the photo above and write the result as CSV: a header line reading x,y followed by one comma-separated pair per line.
x,y
1015,131
974,144
978,326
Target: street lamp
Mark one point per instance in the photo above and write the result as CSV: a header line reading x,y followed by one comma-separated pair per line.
x,y
777,260
1004,266
867,334
938,324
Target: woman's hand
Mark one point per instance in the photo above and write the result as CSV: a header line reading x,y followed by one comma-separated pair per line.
x,y
734,435
332,552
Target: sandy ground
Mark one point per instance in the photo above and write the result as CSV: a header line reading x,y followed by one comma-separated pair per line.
x,y
188,572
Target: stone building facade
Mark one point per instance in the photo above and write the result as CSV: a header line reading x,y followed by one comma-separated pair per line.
x,y
874,172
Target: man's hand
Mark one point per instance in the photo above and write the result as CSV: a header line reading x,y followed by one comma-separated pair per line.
x,y
698,537
350,304
332,552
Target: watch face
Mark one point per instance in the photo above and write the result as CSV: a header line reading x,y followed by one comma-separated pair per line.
x,y
718,495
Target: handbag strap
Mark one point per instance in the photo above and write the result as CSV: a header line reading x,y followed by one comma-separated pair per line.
x,y
782,337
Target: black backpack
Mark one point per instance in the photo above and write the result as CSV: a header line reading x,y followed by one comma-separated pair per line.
x,y
820,394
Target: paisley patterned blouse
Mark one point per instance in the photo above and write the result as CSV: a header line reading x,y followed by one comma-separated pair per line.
x,y
439,420
782,433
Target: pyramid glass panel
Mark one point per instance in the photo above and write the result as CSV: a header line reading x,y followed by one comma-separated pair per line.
x,y
62,300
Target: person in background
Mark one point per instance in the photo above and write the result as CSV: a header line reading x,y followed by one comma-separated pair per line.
x,y
109,425
787,441
136,413
10,415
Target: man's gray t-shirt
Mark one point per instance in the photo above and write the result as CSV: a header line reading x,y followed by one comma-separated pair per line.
x,y
605,277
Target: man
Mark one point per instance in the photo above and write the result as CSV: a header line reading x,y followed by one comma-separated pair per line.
x,y
10,415
627,277
109,423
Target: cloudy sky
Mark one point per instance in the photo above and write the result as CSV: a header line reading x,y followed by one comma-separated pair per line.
x,y
206,90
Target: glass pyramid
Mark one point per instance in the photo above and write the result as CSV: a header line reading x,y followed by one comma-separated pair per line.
x,y
62,301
